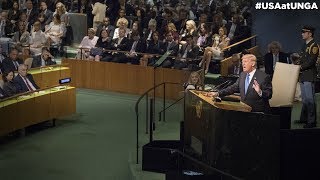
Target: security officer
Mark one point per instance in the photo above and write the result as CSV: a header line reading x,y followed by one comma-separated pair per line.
x,y
308,75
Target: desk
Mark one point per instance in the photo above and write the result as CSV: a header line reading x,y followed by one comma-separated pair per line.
x,y
22,111
125,78
49,76
225,135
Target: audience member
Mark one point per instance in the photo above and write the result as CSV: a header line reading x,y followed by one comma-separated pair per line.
x,y
24,82
99,12
194,81
273,56
9,88
86,44
45,59
12,62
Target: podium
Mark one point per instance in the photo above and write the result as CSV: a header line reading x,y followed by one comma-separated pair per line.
x,y
227,136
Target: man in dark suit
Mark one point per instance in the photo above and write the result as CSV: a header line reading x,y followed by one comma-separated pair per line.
x,y
275,55
254,86
170,45
32,13
47,13
12,62
105,25
120,44
235,68
45,59
187,52
24,81
307,78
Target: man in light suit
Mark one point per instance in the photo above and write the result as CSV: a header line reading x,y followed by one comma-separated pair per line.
x,y
24,81
254,86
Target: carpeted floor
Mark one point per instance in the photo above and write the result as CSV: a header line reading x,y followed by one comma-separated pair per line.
x,y
94,144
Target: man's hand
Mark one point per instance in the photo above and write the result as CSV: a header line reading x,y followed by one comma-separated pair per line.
x,y
256,87
213,94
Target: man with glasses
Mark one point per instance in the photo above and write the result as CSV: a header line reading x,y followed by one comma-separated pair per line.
x,y
308,75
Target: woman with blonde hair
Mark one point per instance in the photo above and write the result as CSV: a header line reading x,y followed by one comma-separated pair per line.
x,y
172,28
194,81
191,29
122,23
62,11
37,39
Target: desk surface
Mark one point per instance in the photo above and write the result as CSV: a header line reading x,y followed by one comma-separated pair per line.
x,y
227,105
46,69
13,100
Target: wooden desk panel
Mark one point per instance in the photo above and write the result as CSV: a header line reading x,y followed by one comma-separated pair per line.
x,y
27,110
126,78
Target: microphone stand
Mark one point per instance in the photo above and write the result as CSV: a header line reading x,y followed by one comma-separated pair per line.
x,y
157,64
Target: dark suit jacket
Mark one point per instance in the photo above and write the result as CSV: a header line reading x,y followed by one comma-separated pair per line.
x,y
174,47
36,62
193,53
268,61
123,46
48,16
309,54
8,64
258,104
10,88
2,93
21,86
33,15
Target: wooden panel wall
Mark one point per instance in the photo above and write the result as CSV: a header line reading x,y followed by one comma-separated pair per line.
x,y
125,78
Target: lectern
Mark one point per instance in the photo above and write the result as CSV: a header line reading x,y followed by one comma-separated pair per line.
x,y
227,136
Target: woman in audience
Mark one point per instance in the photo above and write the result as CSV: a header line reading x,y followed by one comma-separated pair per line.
x,y
41,19
194,81
154,47
172,28
21,38
61,10
135,28
86,44
14,13
37,39
191,29
122,23
103,43
9,87
204,36
220,42
55,31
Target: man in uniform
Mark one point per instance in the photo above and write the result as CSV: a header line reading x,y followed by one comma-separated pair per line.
x,y
308,75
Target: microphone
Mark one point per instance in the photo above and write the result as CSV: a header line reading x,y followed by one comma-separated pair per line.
x,y
216,88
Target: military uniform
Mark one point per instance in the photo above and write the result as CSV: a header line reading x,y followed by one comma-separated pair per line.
x,y
308,75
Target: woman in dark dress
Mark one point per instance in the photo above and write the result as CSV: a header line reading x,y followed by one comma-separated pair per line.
x,y
9,87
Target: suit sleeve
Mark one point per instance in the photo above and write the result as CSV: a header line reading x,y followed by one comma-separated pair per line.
x,y
266,88
230,90
312,59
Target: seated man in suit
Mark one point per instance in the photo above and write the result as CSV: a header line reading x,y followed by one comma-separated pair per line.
x,y
275,55
136,46
12,62
235,68
170,45
188,51
45,59
254,86
24,81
